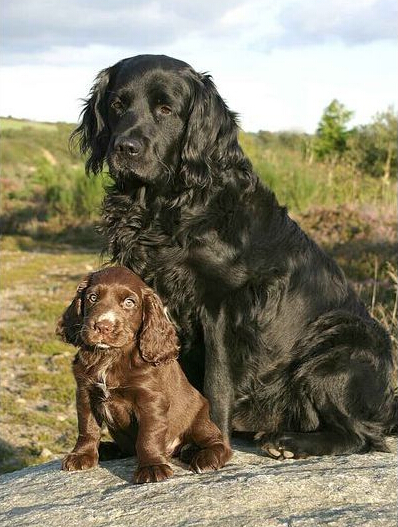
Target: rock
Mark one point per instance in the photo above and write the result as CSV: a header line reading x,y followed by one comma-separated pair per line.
x,y
251,491
46,453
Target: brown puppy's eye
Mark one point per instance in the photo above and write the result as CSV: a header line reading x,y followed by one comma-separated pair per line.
x,y
129,303
92,297
164,109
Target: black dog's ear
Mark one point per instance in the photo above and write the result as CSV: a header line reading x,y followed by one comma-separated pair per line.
x,y
92,135
158,340
71,321
211,141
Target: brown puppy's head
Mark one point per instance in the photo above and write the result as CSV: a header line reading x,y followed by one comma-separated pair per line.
x,y
114,309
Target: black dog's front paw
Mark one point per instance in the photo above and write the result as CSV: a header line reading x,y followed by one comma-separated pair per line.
x,y
283,447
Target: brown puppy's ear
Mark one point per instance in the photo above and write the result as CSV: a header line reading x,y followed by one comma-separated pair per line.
x,y
71,321
158,340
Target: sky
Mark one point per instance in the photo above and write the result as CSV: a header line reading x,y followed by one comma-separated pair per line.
x,y
277,63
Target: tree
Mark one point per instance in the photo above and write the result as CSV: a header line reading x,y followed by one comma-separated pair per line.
x,y
384,127
331,136
373,147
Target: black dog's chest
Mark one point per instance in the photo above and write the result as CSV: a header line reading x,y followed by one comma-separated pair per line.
x,y
186,263
142,236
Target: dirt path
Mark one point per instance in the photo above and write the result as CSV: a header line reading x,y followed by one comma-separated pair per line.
x,y
37,388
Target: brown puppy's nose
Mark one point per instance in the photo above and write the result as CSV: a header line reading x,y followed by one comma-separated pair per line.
x,y
103,326
127,145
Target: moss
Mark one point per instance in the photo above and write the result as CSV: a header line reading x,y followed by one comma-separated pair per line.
x,y
8,404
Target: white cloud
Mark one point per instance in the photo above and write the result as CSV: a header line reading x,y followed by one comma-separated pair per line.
x,y
48,93
362,21
31,28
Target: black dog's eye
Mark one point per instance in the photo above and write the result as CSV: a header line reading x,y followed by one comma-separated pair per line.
x,y
164,109
117,105
129,303
92,297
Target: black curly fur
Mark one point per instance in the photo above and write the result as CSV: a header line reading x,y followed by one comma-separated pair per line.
x,y
269,327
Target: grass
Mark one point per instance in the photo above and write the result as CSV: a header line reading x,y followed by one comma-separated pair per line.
x,y
37,398
299,183
26,145
45,189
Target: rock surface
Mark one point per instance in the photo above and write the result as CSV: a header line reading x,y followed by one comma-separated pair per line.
x,y
251,491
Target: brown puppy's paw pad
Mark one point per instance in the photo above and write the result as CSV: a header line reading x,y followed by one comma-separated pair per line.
x,y
152,474
79,461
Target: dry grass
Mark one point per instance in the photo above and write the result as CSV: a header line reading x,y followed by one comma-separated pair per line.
x,y
38,278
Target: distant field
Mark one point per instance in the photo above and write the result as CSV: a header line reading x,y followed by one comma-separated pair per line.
x,y
43,178
9,123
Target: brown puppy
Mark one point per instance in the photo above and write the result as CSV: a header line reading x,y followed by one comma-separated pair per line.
x,y
128,376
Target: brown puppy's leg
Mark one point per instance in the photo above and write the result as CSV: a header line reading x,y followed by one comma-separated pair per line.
x,y
151,445
214,451
85,453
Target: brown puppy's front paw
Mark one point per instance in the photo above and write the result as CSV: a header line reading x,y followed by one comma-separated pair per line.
x,y
206,459
152,474
79,461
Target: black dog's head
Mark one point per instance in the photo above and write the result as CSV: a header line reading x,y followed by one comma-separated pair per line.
x,y
153,118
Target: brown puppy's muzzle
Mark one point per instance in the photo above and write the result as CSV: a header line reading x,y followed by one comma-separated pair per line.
x,y
104,327
101,331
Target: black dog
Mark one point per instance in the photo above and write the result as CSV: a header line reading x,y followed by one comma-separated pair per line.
x,y
269,327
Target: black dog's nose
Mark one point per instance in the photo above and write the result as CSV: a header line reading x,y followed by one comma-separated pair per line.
x,y
128,145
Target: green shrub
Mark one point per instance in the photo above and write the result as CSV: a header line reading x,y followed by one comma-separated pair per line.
x,y
44,182
66,191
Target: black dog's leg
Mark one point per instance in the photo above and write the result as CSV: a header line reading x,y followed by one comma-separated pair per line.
x,y
218,384
299,445
348,387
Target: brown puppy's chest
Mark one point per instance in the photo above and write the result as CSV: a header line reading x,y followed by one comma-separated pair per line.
x,y
116,406
111,402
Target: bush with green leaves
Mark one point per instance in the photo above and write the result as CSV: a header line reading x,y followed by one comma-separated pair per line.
x,y
331,136
68,192
372,148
